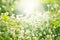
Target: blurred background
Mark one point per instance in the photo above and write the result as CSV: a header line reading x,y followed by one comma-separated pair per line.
x,y
29,19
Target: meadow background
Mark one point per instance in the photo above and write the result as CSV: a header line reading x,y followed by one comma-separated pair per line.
x,y
14,28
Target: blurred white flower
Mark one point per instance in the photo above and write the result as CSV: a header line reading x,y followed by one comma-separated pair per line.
x,y
27,31
0,8
50,31
12,16
41,28
6,13
58,11
52,8
44,32
3,1
28,37
22,28
55,5
33,34
22,31
42,39
54,27
0,32
48,36
45,16
40,34
12,9
48,5
12,30
15,2
11,39
53,35
19,17
3,6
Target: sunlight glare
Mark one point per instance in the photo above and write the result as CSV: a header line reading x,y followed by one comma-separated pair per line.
x,y
28,6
